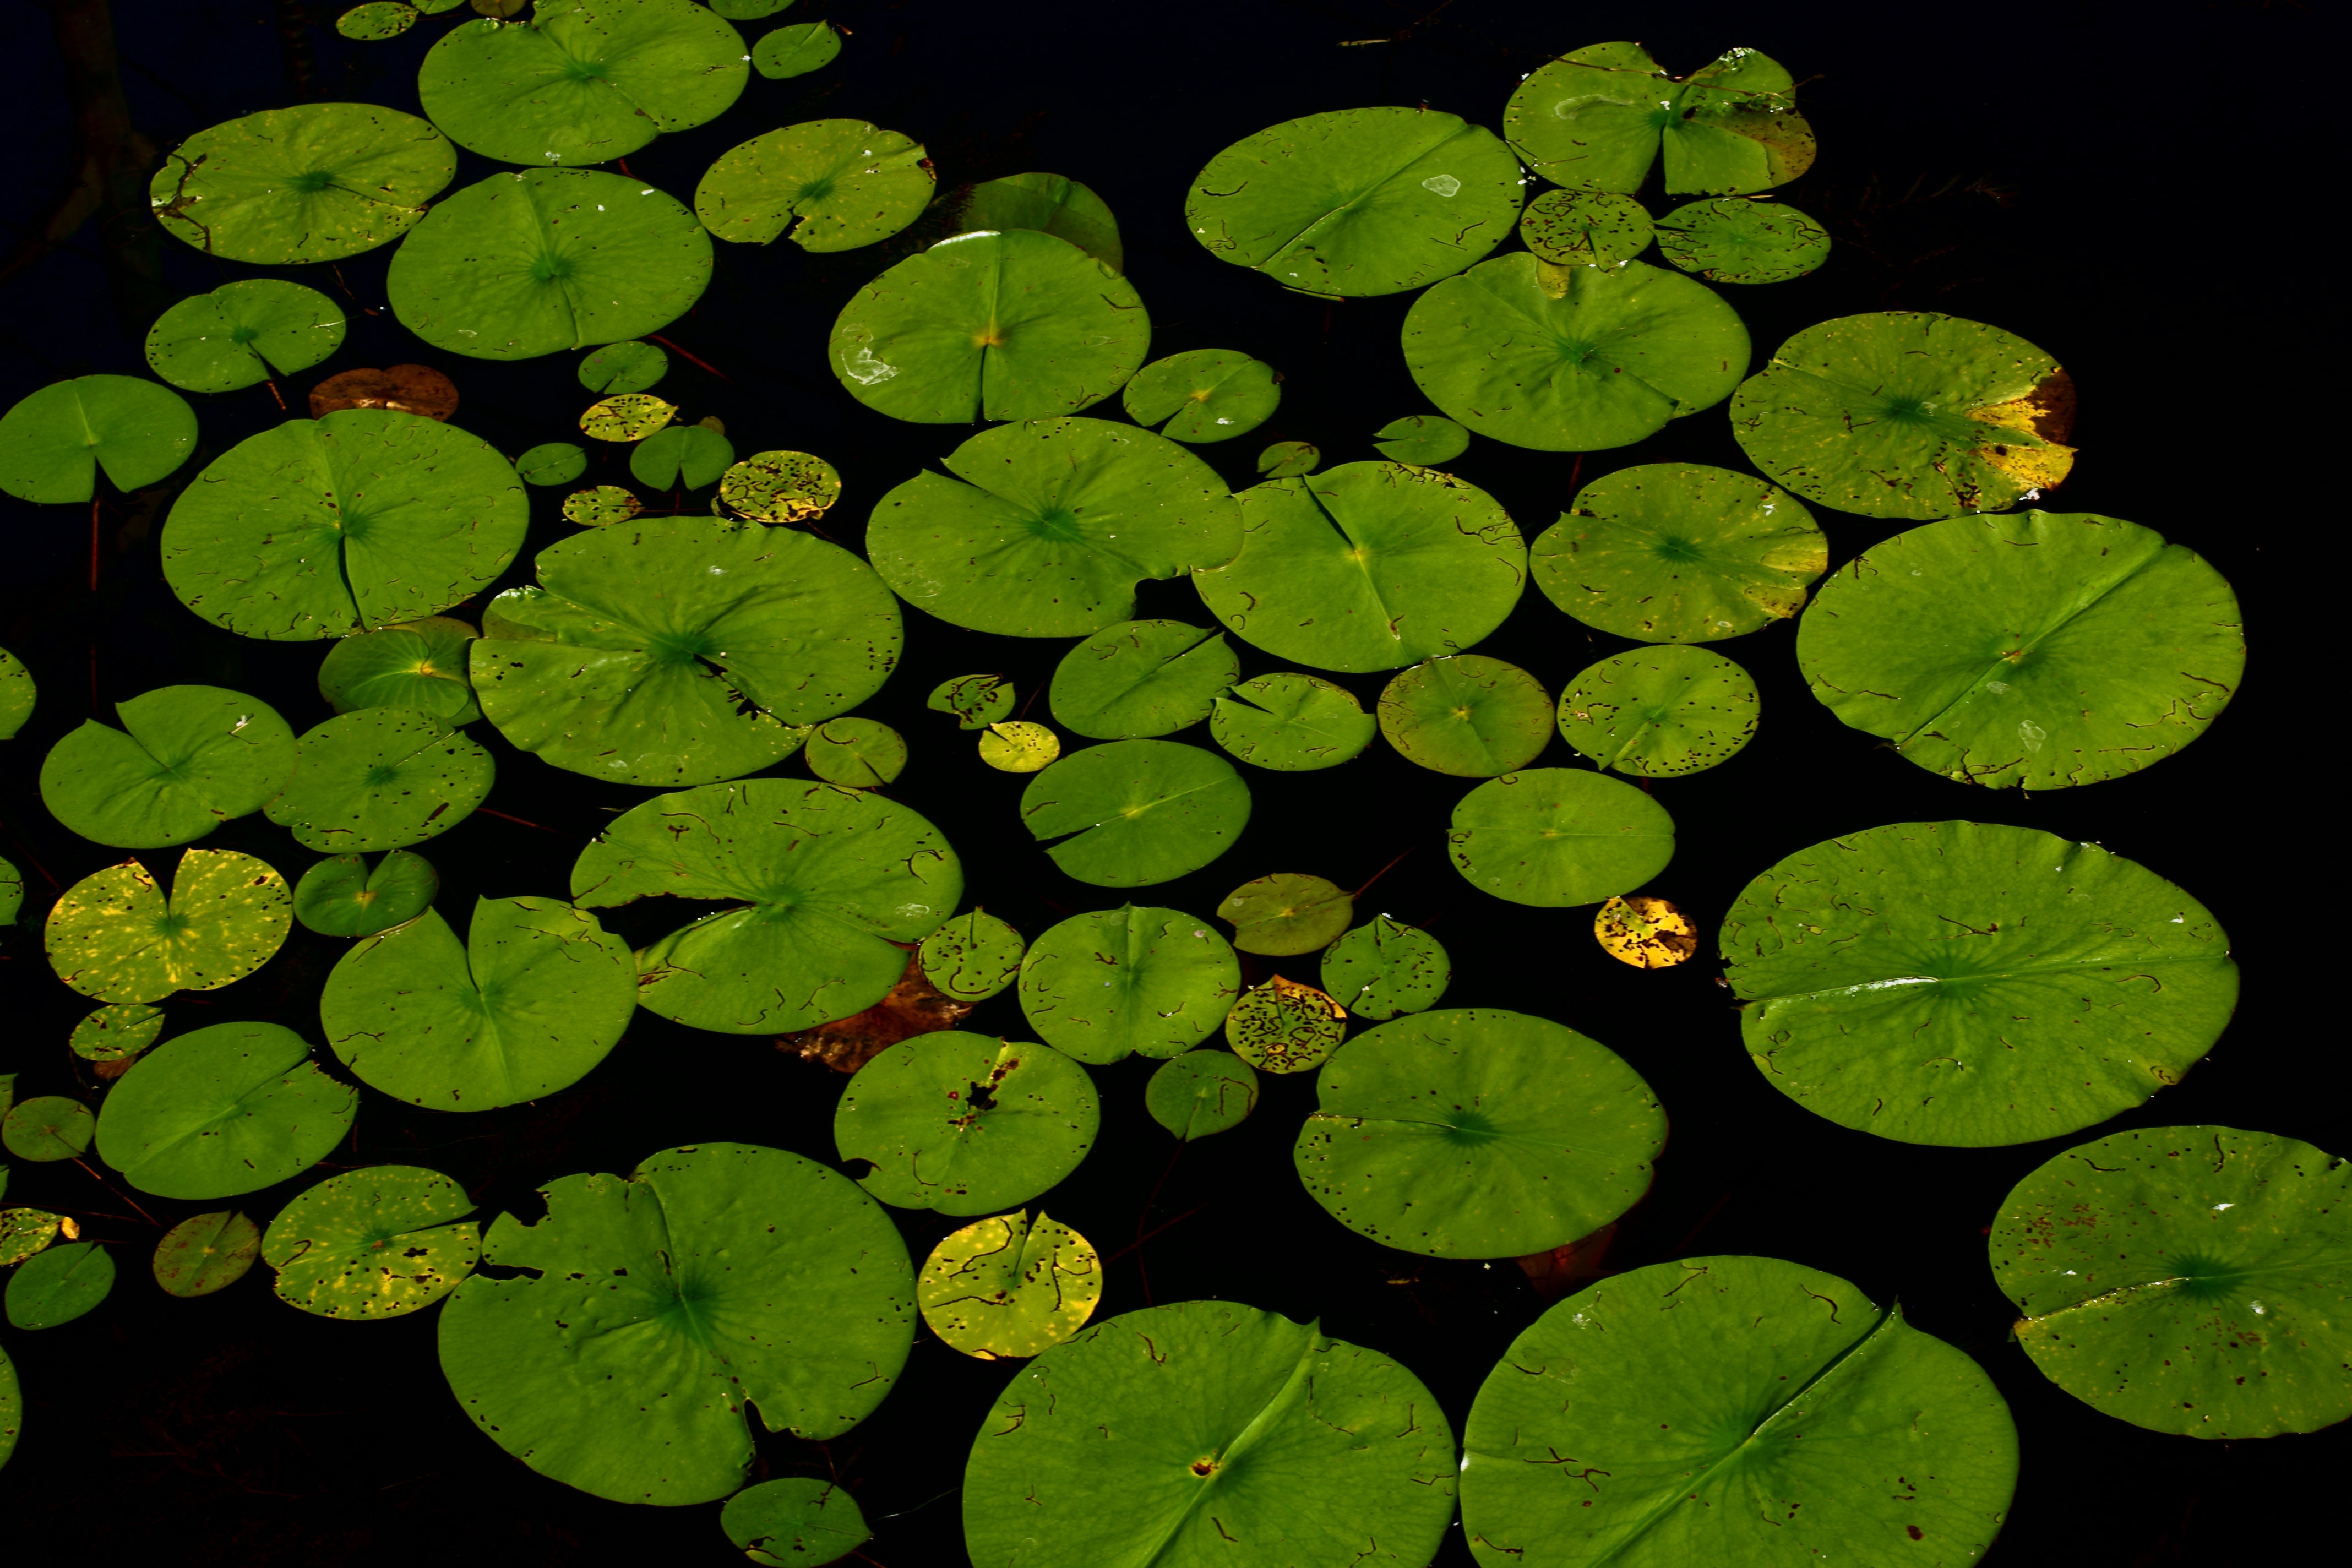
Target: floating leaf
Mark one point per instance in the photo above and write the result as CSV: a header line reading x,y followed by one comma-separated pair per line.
x,y
59,1285
1967,984
552,463
1467,715
1288,460
1200,1092
691,456
1679,553
1141,679
373,1243
820,881
797,1519
1424,440
46,1127
1596,119
419,666
12,893
856,753
417,389
316,183
222,1110
972,957
749,10
1291,723
913,1007
1133,812
1386,968
1048,204
206,1253
1704,1386
1741,239
2187,1279
1585,228
601,505
1555,837
829,185
12,1407
1007,1287
342,897
1283,1026
114,936
1358,201
795,50
377,20
1144,980
803,1307
187,759
17,694
1286,913
1202,395
1646,932
618,369
1370,566
1659,712
682,650
117,1032
781,487
381,778
53,442
2036,650
24,1232
242,333
1017,747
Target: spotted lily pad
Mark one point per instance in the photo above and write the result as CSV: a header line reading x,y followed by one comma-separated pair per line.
x,y
976,700
46,1127
187,759
1200,1092
856,753
1141,679
222,1110
1741,239
1424,440
207,1252
59,1286
315,182
381,778
1131,812
1661,712
1135,980
621,368
1009,1286
1467,715
419,665
114,936
1291,723
1585,228
795,50
781,487
1284,1027
1203,394
796,1521
1286,913
342,897
1385,968
117,1032
373,1243
377,20
1597,120
601,505
828,184
972,957
1051,205
242,333
1019,748
1646,932
1555,837
54,441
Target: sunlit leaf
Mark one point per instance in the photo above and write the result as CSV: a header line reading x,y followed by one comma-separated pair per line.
x,y
381,778
796,1520
1019,747
1596,119
856,753
1138,979
1739,240
54,441
1386,968
1467,715
1424,440
242,333
973,957
18,692
624,367
626,416
552,463
1131,812
342,896
1141,679
1585,228
1288,460
59,1286
795,50
206,1253
1048,204
373,1243
117,1032
1283,1026
403,388
420,666
315,182
829,185
222,1110
691,456
46,1127
1203,394
114,937
1646,932
781,487
1008,1287
1200,1092
600,504
1291,723
976,700
1659,712
1555,837
1286,913
187,759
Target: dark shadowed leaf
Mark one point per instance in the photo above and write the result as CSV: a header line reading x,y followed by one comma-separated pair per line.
x,y
117,1032
46,1127
342,896
377,20
797,1520
1286,913
1741,239
1386,968
403,388
913,1007
603,504
206,1252
59,1286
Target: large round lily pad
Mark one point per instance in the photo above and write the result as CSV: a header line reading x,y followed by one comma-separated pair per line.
x,y
1131,812
1010,1287
373,1243
381,778
822,882
1141,679
828,184
1736,239
366,518
54,441
242,333
343,897
2189,1280
1573,359
1467,715
1058,521
966,1123
1424,441
420,665
315,182
1050,204
1475,1132
1292,723
1210,1432
230,1109
659,1311
1284,1027
1368,566
1597,120
856,753
1733,1411
114,936
1203,396
1385,968
1136,979
1555,837
796,50
1968,985
187,759
1659,712
1358,201
2035,650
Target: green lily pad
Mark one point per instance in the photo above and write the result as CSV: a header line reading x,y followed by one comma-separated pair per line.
x,y
822,883
420,666
24,1232
1169,1434
619,369
1972,985
12,891
116,1032
1597,120
1291,723
2187,1279
1679,553
1733,1410
2035,649
1574,359
1286,913
966,1123
1585,228
682,650
584,80
548,259
1741,239
366,518
972,957
1358,201
46,1127
1203,396
627,416
536,995
59,1285
1559,837
1050,204
1135,980
342,896
856,753
373,1243
552,463
222,1110
796,1519
1385,968
795,50
829,185
683,456
242,333
54,441
114,936
12,1407
206,1253
1007,1287
316,183
377,20
1200,1092
1141,679
1133,812
1019,748
1010,325
781,487
976,700
1370,566
1909,414
600,506
1284,1027
590,1366
1661,712
187,759
381,778
18,693
1474,1132
749,10
1289,460
1424,441
1467,715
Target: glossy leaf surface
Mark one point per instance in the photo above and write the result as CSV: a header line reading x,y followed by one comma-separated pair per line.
x,y
222,1111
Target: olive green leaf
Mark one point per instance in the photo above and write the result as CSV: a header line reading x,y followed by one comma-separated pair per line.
x,y
59,1285
1133,812
1474,1132
377,20
18,693
1048,204
548,259
1358,201
584,80
1291,723
381,778
797,1520
1288,460
12,1407
1009,1287
1203,394
1704,1387
1680,553
420,665
206,1252
114,937
1424,441
1467,715
856,753
1169,1434
54,441
1909,414
1596,119
316,183
373,1243
2036,650
187,759
1742,239
1369,567
966,1123
46,1127
1556,836
1010,325
976,700
342,896
1385,968
822,883
1659,712
781,487
749,10
829,185
690,456
1575,358
1283,1026
242,333
1049,525
1143,980
1965,984
619,369
1019,748
366,518
2187,1279
1200,1092
552,463
972,957
1286,913
652,1314
1585,228
682,650
603,504
1141,679
24,1232
222,1110
12,891
795,50
116,1032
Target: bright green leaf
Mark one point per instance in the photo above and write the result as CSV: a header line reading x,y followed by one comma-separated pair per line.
x,y
1133,812
1048,204
795,50
691,456
828,184
1659,712
1286,913
18,693
116,1032
966,1123
1739,239
1019,748
1424,441
1596,119
1288,460
1585,228
624,367
796,1521
222,1110
976,700
1385,968
1202,395
972,957
187,759
1291,723
114,937
1556,836
1200,1092
54,441
342,896
552,463
242,333
319,181
1142,980
420,665
1141,679
856,753
59,1285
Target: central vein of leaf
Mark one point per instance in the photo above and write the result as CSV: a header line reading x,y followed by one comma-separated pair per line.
x,y
674,650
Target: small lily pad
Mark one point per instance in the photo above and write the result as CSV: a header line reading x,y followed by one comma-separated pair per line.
x,y
1010,1285
1424,441
377,20
781,487
1141,679
1018,747
1051,205
966,1123
1292,723
187,759
53,442
46,1127
1661,712
222,1110
683,456
1467,715
828,184
1200,1092
242,333
117,1032
1741,239
795,50
1556,836
1646,932
1135,980
1286,913
419,665
600,505
315,182
856,753
381,778
972,957
1203,396
1289,460
796,1521
976,700
1385,968
17,694
59,1285
619,369
342,897
114,936
373,1243
1131,812
552,463
1597,120
1283,1026
206,1253
24,1232
1585,228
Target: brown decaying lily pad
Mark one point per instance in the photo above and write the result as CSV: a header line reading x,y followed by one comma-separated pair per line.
x,y
407,388
914,1006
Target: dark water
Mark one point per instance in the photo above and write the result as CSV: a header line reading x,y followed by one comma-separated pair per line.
x,y
2049,171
